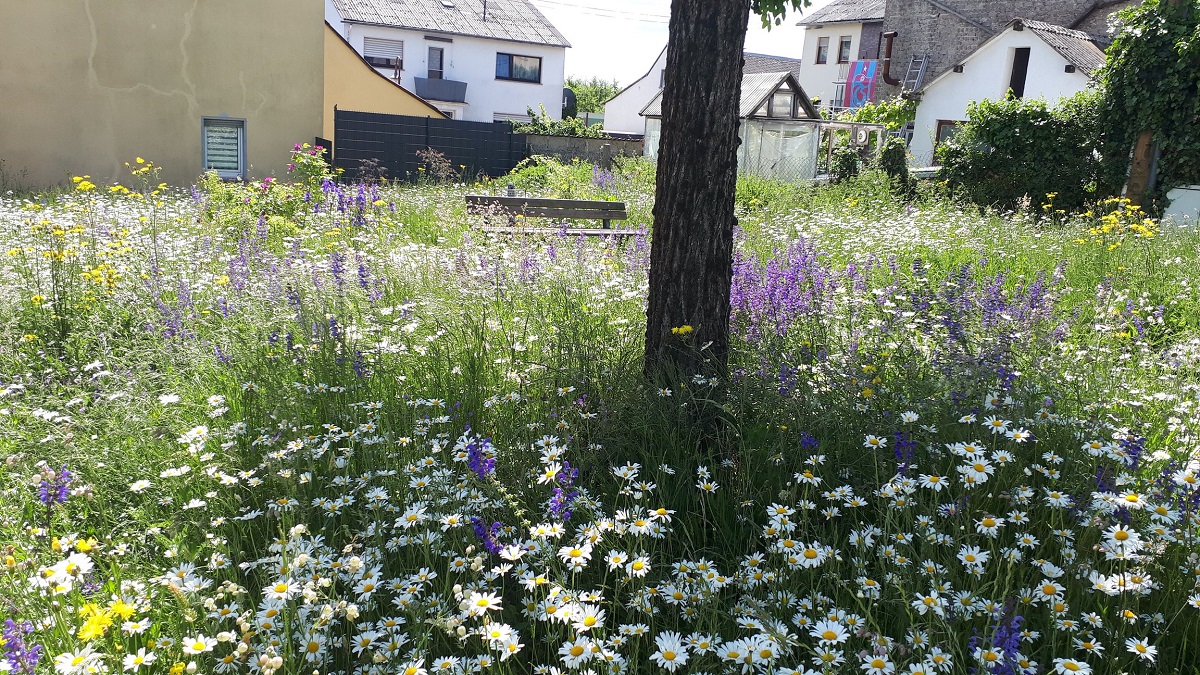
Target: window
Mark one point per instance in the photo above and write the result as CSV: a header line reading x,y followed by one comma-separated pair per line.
x,y
224,146
844,49
946,129
1020,69
823,50
782,104
383,53
437,57
522,68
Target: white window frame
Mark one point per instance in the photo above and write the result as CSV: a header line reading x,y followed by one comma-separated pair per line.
x,y
228,122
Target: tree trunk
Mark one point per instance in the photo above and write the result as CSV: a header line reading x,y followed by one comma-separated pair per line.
x,y
691,257
1138,182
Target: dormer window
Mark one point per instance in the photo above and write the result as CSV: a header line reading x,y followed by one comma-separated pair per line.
x,y
782,104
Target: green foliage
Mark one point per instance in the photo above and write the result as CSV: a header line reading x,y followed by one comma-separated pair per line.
x,y
1015,150
1150,82
893,114
845,164
893,160
773,12
542,123
590,95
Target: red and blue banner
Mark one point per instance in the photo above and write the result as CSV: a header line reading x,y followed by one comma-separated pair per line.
x,y
860,84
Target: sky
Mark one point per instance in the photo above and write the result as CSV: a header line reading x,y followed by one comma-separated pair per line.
x,y
621,38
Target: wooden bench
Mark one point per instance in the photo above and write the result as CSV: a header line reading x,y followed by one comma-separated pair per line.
x,y
532,207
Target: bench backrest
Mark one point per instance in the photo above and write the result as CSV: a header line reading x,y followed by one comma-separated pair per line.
x,y
542,208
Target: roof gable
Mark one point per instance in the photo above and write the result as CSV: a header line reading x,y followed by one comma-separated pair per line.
x,y
846,11
756,89
1075,47
510,20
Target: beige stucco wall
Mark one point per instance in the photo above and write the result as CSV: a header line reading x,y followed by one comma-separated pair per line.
x,y
352,84
87,85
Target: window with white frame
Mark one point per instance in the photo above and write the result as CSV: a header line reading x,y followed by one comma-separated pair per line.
x,y
516,67
782,104
383,53
224,146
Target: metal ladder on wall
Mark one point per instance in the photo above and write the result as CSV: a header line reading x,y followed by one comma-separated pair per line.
x,y
916,72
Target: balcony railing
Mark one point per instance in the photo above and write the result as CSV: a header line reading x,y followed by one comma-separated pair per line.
x,y
451,91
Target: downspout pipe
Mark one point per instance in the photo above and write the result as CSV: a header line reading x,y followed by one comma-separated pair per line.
x,y
888,37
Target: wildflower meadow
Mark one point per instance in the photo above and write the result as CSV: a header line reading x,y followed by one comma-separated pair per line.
x,y
307,426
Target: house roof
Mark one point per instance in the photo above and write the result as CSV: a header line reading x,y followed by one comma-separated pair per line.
x,y
1079,49
765,63
511,20
756,87
846,11
1076,47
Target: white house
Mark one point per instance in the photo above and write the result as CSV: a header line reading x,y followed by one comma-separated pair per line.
x,y
623,112
1029,58
477,60
835,35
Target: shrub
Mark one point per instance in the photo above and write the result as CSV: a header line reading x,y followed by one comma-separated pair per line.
x,y
542,123
435,166
893,160
1149,83
894,113
1018,149
845,164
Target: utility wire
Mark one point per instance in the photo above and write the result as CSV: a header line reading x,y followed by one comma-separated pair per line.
x,y
608,13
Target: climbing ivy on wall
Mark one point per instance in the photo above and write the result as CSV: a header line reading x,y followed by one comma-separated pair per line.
x,y
1151,81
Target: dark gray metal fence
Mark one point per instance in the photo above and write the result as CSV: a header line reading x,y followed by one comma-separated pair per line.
x,y
393,142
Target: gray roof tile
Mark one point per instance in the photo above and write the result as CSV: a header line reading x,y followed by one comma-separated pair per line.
x,y
1079,49
512,20
844,11
765,63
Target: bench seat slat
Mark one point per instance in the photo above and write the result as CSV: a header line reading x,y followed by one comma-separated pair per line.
x,y
571,213
513,203
581,231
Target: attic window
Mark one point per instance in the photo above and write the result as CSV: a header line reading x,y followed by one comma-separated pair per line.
x,y
782,104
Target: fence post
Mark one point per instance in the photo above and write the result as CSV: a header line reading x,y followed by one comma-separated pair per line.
x,y
606,156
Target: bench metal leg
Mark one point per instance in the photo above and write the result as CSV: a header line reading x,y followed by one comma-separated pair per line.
x,y
607,225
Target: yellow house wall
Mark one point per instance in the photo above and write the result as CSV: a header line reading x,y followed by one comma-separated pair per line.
x,y
352,84
87,85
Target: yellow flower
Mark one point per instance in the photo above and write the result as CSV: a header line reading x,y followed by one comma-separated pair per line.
x,y
123,610
95,627
868,392
682,330
177,669
223,280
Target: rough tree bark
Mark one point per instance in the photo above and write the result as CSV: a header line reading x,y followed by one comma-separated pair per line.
x,y
691,257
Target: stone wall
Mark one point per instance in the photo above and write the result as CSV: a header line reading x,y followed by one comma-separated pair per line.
x,y
949,30
566,148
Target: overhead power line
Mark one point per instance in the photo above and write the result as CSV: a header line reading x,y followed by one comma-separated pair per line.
x,y
607,12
